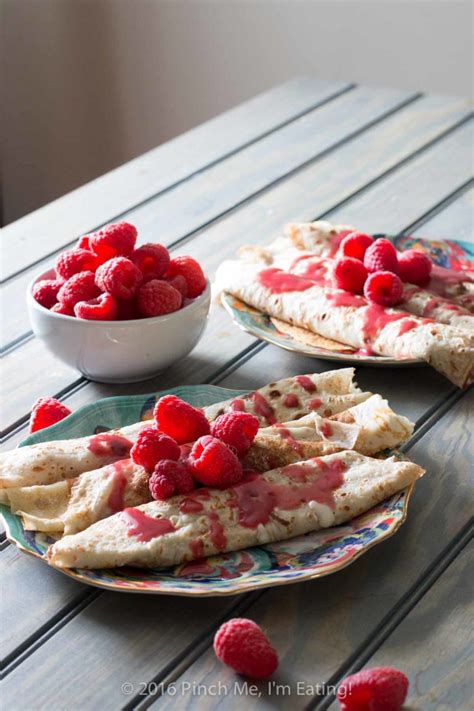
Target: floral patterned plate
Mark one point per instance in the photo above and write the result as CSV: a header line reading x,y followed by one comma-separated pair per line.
x,y
302,558
449,254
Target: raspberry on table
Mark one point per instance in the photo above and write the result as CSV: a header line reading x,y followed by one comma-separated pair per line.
x,y
79,287
157,298
350,274
414,267
46,412
179,283
151,446
381,256
384,288
180,420
115,240
120,277
103,308
162,485
45,292
178,472
376,689
242,645
74,261
236,429
60,308
191,270
213,463
355,245
152,260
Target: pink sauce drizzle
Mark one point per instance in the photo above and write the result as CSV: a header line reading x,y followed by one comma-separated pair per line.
x,y
278,281
263,408
238,405
286,435
315,404
109,445
306,383
216,531
197,548
118,475
143,527
317,272
291,400
345,298
375,319
190,505
299,259
407,325
326,429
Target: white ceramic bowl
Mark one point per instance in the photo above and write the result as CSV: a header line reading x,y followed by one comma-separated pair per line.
x,y
119,351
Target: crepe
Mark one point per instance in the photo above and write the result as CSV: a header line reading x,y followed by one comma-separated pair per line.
x,y
274,506
349,318
368,428
49,462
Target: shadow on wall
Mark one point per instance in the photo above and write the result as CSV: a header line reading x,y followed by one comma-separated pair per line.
x,y
90,84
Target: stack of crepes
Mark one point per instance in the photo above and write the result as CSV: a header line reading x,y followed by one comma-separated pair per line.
x,y
290,280
311,466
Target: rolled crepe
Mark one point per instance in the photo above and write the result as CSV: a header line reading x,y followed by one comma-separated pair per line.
x,y
49,462
263,508
368,428
349,318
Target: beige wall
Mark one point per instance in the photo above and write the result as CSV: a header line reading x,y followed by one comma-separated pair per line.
x,y
89,84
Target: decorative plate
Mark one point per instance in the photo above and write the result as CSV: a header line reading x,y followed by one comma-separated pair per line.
x,y
310,556
449,254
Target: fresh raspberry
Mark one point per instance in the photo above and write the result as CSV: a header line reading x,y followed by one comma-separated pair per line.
x,y
180,420
178,473
79,287
60,308
120,277
157,298
350,274
162,486
127,310
236,429
191,271
414,267
242,645
384,288
45,292
381,256
84,243
74,261
104,308
152,260
180,284
117,240
151,446
377,689
213,464
46,412
355,245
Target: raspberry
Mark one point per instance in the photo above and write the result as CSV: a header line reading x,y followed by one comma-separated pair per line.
x,y
46,412
350,274
414,267
84,243
242,645
180,284
377,689
120,277
157,298
213,464
104,308
236,429
74,261
79,287
191,271
355,245
180,420
151,446
384,288
152,260
381,256
45,292
114,241
178,473
162,486
60,308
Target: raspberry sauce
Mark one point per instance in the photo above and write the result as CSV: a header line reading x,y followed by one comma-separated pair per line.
x,y
315,404
407,325
317,272
263,408
326,428
345,298
190,505
306,383
197,548
144,527
118,476
109,445
375,319
291,400
286,435
238,405
216,531
278,281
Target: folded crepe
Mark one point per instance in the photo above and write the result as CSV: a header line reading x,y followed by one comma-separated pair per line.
x,y
263,508
50,462
350,319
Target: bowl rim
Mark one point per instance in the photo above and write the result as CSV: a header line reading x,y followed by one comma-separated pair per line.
x,y
194,303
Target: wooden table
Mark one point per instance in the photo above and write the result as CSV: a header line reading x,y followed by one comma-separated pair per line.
x,y
384,159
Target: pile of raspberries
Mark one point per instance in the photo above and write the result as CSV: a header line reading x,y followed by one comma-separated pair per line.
x,y
375,269
106,278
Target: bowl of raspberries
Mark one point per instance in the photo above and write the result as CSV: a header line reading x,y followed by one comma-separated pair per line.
x,y
117,311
